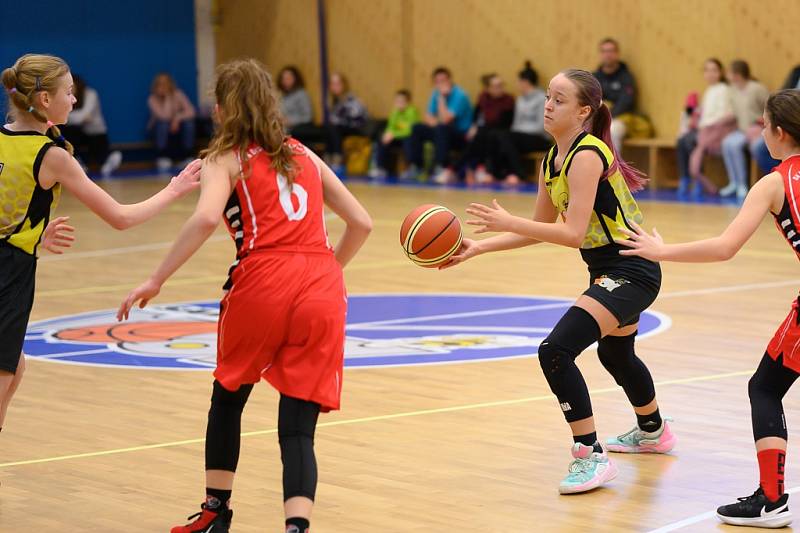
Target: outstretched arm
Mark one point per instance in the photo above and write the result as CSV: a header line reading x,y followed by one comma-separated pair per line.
x,y
766,195
543,212
584,175
214,194
59,166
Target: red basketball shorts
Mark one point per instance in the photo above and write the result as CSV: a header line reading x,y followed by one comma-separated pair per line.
x,y
786,340
284,320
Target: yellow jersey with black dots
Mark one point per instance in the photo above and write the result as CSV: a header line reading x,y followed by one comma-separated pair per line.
x,y
24,204
614,205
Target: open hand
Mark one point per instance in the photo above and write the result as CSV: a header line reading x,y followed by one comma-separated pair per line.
x,y
641,243
143,294
57,236
490,218
189,178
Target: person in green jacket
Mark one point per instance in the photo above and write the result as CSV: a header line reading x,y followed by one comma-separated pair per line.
x,y
398,130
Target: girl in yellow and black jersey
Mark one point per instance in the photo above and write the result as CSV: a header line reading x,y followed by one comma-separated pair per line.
x,y
585,183
35,162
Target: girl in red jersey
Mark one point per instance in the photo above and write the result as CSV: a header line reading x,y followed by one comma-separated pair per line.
x,y
283,315
777,193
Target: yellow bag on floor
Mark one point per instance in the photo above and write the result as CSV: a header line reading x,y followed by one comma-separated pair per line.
x,y
638,126
357,153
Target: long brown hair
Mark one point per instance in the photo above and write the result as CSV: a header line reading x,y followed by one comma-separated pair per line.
x,y
249,113
598,123
31,74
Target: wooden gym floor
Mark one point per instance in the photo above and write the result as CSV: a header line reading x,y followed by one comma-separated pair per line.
x,y
469,447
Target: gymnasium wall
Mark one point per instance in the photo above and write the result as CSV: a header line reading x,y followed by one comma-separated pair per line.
x,y
117,47
382,45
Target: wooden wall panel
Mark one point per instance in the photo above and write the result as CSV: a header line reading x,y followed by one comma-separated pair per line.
x,y
385,44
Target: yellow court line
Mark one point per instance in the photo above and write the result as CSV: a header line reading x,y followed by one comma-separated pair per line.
x,y
363,420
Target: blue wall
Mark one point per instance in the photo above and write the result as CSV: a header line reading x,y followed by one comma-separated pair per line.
x,y
117,46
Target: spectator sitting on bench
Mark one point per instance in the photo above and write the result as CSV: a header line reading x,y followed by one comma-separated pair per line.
x,y
347,116
402,119
296,107
619,89
448,117
749,99
171,121
86,130
527,130
714,122
494,112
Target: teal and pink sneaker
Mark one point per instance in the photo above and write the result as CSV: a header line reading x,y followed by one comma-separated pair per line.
x,y
588,470
638,441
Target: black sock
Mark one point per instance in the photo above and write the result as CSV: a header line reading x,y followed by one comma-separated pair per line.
x,y
649,423
589,439
297,525
217,498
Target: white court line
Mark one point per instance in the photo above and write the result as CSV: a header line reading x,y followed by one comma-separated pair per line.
x,y
67,354
674,526
131,249
503,310
122,250
731,288
500,329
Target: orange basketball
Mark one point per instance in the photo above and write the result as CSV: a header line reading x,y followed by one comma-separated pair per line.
x,y
430,234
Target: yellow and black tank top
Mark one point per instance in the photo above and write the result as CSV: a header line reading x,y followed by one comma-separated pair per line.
x,y
614,205
24,205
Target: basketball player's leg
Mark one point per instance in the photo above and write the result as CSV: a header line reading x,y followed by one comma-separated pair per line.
x,y
768,506
9,382
297,423
223,439
581,326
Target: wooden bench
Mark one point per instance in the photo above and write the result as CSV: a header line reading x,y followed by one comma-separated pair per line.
x,y
661,166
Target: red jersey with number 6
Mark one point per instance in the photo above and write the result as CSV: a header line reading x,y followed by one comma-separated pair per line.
x,y
265,213
283,317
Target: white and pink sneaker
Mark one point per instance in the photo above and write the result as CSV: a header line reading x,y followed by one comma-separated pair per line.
x,y
638,441
588,470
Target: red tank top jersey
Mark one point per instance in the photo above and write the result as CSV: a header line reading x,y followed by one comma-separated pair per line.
x,y
265,213
786,340
788,220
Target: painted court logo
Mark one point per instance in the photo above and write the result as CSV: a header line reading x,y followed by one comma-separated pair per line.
x,y
382,330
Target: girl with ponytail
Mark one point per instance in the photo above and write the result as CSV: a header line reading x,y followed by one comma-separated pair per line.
x,y
35,161
283,315
585,183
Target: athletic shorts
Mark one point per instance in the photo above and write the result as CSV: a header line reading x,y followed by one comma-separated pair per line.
x,y
624,285
786,340
17,281
284,320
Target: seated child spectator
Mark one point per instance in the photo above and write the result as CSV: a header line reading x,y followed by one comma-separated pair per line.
x,y
296,107
494,112
347,116
527,130
171,121
448,117
714,121
749,99
402,119
86,130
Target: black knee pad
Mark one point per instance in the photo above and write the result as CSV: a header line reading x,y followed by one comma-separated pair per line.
x,y
297,422
618,357
225,426
766,389
575,332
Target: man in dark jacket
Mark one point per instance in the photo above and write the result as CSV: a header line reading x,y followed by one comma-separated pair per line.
x,y
619,87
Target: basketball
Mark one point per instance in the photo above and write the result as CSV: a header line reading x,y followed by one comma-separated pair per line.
x,y
430,234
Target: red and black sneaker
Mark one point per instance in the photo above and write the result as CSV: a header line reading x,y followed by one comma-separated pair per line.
x,y
208,521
